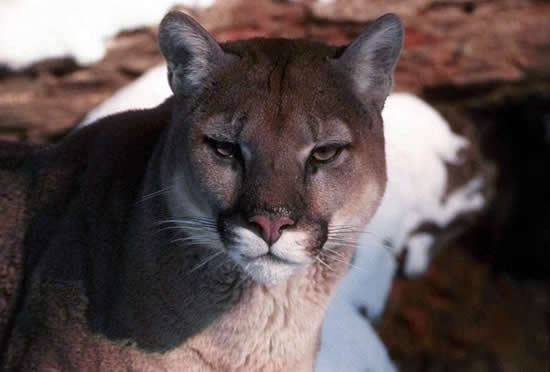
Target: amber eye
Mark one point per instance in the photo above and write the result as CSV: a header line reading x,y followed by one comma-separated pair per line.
x,y
223,149
326,154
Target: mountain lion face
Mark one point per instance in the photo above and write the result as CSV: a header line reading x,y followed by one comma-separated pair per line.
x,y
276,149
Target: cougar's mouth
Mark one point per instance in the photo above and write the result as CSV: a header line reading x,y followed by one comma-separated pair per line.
x,y
267,264
270,257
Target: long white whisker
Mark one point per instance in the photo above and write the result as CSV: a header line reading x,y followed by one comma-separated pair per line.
x,y
202,225
323,263
212,243
204,238
343,243
185,228
207,260
348,243
205,222
155,193
342,239
356,227
352,265
334,252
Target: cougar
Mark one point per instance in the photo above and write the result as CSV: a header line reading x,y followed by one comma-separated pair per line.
x,y
208,233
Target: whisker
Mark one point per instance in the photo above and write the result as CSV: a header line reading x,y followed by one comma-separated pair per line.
x,y
205,225
343,241
202,243
344,234
339,228
317,258
185,228
351,233
352,265
155,194
207,260
347,243
342,237
190,221
334,252
202,238
358,227
159,192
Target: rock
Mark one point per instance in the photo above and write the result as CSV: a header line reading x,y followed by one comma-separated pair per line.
x,y
456,47
460,43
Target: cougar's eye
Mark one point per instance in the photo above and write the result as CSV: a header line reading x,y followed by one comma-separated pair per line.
x,y
326,154
223,149
226,150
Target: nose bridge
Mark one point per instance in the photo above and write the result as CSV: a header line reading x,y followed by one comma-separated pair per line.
x,y
272,185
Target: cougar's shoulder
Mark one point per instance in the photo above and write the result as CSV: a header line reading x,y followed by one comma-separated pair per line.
x,y
47,192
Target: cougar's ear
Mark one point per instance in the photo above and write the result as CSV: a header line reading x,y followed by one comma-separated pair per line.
x,y
370,59
190,52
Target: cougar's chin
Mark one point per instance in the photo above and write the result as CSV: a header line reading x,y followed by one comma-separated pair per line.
x,y
265,264
268,269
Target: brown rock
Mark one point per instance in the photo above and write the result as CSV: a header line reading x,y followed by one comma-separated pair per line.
x,y
450,46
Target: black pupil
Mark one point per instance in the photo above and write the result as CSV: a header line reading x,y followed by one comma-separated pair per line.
x,y
225,149
325,153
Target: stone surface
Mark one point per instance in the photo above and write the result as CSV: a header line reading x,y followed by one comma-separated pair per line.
x,y
459,43
493,47
46,100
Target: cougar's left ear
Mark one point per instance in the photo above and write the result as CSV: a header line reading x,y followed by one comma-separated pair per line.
x,y
190,51
370,59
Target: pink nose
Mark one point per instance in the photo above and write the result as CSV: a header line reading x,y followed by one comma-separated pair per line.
x,y
271,229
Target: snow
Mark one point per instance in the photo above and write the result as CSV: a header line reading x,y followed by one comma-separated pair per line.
x,y
418,144
32,30
350,343
146,92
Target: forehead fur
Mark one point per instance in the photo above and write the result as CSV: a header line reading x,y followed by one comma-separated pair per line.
x,y
288,78
276,49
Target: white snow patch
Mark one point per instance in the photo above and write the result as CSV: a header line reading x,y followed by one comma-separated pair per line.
x,y
418,143
418,255
32,30
148,91
349,342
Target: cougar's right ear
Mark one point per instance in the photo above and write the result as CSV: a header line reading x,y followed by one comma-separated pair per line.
x,y
190,51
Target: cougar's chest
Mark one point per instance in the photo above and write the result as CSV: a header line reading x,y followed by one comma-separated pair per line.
x,y
269,329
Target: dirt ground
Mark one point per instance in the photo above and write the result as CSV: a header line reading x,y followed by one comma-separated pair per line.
x,y
469,312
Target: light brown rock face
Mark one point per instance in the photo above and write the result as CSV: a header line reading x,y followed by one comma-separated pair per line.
x,y
461,43
452,49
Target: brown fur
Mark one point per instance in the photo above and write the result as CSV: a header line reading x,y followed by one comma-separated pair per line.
x,y
105,289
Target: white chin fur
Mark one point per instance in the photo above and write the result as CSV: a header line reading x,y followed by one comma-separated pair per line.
x,y
266,269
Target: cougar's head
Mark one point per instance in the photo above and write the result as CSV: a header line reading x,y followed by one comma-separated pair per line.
x,y
276,149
